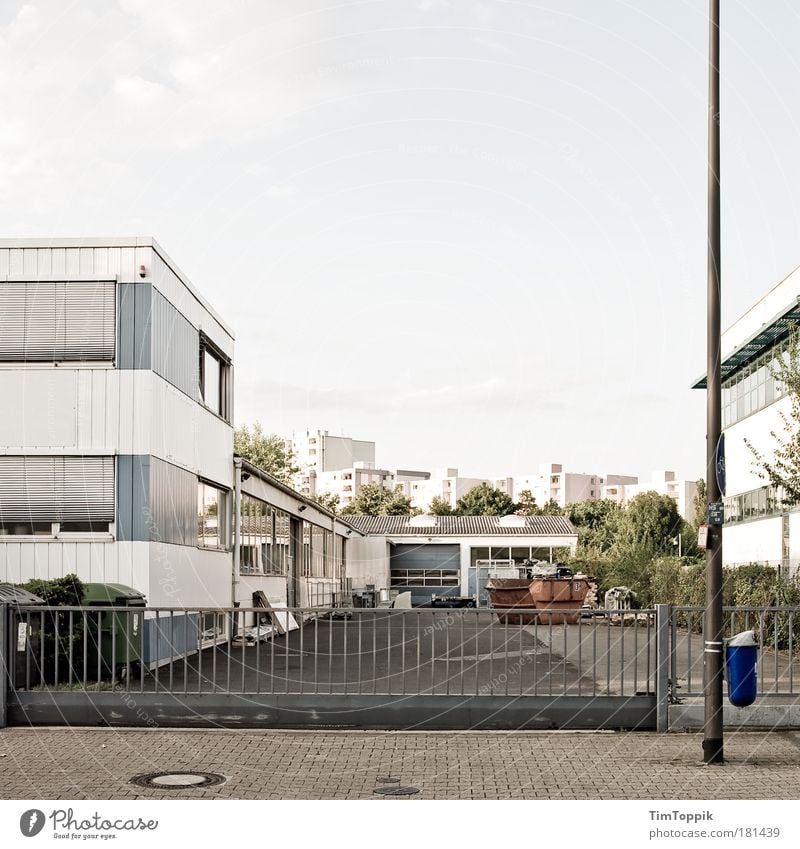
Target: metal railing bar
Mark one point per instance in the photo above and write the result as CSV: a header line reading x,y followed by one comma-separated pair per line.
x,y
186,653
56,622
71,645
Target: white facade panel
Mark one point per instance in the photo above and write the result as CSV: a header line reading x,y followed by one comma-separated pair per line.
x,y
758,541
740,470
184,576
100,562
90,262
184,433
40,408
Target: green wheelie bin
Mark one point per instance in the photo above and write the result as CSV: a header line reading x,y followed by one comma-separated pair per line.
x,y
113,637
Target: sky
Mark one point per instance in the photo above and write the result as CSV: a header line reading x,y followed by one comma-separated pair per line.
x,y
473,232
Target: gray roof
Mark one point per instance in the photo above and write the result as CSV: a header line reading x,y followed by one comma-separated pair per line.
x,y
9,594
464,526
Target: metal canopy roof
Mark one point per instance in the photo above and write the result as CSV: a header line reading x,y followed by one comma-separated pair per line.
x,y
772,332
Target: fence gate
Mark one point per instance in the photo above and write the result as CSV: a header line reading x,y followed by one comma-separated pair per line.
x,y
319,667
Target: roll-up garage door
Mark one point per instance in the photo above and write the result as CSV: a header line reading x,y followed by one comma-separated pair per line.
x,y
425,570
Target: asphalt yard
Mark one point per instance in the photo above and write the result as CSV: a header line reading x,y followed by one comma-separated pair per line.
x,y
434,652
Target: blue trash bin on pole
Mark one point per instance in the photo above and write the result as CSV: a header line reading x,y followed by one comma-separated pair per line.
x,y
741,660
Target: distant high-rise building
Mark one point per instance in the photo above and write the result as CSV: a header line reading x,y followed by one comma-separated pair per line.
x,y
317,451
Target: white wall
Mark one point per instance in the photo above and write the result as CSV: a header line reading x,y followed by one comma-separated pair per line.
x,y
69,408
740,472
757,541
273,587
113,411
109,259
185,576
97,562
184,433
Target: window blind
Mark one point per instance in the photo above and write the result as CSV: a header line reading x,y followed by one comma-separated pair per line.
x,y
56,489
45,321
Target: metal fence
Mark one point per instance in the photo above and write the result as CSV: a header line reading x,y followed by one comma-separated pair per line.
x,y
382,652
777,632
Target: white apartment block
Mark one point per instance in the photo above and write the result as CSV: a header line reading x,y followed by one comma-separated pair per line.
x,y
317,451
347,483
553,483
759,527
681,491
443,483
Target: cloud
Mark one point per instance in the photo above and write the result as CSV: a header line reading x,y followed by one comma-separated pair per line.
x,y
433,5
280,192
101,90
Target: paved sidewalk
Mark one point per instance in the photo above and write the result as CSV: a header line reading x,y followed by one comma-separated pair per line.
x,y
98,763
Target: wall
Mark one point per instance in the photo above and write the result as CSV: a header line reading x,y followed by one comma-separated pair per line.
x,y
756,541
273,587
70,408
99,562
740,470
185,576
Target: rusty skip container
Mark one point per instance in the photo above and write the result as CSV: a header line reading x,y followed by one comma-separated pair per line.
x,y
558,600
510,594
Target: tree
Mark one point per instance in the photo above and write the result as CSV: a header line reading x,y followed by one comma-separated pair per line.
x,y
440,507
374,500
267,451
650,523
784,469
484,500
526,504
597,523
328,500
552,508
700,504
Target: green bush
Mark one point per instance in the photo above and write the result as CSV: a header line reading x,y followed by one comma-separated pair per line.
x,y
56,634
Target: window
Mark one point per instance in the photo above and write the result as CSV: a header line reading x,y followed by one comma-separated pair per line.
x,y
424,577
212,627
255,534
277,560
211,516
52,495
43,322
753,387
214,379
306,571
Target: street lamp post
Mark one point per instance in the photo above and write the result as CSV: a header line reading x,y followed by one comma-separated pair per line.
x,y
712,623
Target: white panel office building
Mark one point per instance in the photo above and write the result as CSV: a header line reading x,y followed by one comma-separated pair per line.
x,y
758,527
115,440
116,443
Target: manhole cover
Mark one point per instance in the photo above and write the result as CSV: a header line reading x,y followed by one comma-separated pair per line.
x,y
177,780
399,790
388,779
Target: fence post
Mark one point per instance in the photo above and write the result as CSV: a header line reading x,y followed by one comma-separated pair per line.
x,y
5,651
662,666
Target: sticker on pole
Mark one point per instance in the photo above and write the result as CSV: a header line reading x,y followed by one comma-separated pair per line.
x,y
716,513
